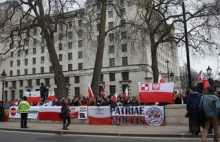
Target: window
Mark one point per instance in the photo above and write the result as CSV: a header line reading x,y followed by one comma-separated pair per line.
x,y
61,67
80,22
125,76
122,2
101,77
51,69
47,81
26,62
122,11
80,55
34,41
70,67
33,70
25,71
123,35
110,25
99,6
60,46
42,39
80,33
77,91
70,56
111,37
6,84
21,83
111,49
60,57
80,43
19,53
70,35
29,83
70,24
13,83
124,47
42,60
98,16
124,61
70,45
111,62
98,27
123,22
18,72
42,70
26,52
34,51
12,54
112,89
111,76
20,94
18,63
11,73
42,49
77,79
110,14
80,66
11,63
61,27
34,61
67,80
38,82
60,36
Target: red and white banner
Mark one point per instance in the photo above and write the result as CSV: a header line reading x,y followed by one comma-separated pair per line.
x,y
156,92
32,114
33,97
51,96
99,115
138,115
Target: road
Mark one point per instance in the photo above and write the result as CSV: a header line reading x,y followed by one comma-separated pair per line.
x,y
38,137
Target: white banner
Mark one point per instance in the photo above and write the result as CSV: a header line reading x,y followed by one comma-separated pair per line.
x,y
82,112
32,114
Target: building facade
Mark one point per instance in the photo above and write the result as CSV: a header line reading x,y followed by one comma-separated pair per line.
x,y
126,61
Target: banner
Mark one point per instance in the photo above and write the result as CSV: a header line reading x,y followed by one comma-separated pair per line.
x,y
32,114
74,112
138,115
156,92
82,111
99,115
33,97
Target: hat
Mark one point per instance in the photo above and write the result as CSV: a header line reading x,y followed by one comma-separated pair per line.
x,y
25,98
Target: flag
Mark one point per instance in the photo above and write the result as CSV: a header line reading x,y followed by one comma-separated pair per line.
x,y
205,83
33,97
91,95
156,92
51,96
125,94
200,77
115,97
160,79
103,90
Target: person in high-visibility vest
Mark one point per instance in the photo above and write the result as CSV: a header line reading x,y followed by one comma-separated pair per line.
x,y
23,109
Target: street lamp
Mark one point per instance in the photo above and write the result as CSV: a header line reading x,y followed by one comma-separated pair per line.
x,y
3,75
209,72
172,76
167,61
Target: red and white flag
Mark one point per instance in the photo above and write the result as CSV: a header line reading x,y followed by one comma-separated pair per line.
x,y
200,77
99,115
160,79
49,113
156,92
51,96
33,97
205,83
125,94
91,95
103,90
115,97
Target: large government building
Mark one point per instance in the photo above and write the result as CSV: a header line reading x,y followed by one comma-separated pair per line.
x,y
127,59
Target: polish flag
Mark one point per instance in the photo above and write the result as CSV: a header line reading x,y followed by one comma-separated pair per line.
x,y
33,97
91,95
125,94
160,79
51,96
103,90
115,97
156,92
49,113
99,115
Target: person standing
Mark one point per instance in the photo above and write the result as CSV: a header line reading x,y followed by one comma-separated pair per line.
x,y
43,91
210,104
23,109
66,115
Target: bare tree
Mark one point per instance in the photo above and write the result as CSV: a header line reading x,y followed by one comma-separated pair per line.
x,y
22,17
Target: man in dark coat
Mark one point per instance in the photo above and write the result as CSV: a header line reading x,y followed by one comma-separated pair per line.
x,y
43,91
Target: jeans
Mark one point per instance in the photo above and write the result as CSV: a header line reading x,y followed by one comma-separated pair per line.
x,y
24,120
214,121
66,118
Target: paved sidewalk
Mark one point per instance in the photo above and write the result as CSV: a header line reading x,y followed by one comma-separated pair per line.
x,y
110,130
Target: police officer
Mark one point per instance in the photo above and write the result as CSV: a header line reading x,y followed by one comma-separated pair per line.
x,y
23,109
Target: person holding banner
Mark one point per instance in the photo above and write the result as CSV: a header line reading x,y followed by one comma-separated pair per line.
x,y
23,109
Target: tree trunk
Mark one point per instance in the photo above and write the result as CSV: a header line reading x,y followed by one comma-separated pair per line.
x,y
100,51
154,63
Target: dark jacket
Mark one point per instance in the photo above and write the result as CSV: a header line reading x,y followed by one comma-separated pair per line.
x,y
193,100
65,110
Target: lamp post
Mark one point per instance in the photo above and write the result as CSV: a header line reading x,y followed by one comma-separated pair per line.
x,y
172,76
167,61
3,75
209,72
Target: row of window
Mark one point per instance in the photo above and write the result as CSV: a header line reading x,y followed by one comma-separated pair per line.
x,y
111,13
124,61
112,48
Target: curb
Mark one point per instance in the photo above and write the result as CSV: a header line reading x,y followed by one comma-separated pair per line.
x,y
63,132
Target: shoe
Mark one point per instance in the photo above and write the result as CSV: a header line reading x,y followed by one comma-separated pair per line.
x,y
22,127
26,127
66,129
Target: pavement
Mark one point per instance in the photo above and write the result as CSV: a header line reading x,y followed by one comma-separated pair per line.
x,y
106,130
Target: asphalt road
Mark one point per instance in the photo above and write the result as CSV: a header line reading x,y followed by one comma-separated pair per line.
x,y
37,137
